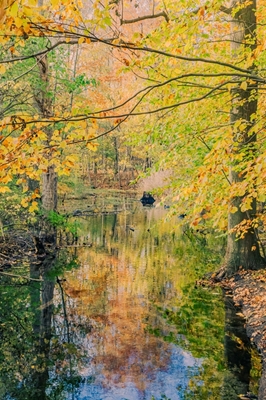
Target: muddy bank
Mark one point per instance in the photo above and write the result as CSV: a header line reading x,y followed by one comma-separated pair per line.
x,y
248,291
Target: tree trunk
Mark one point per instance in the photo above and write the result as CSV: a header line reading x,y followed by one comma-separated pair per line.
x,y
116,162
44,103
49,189
242,252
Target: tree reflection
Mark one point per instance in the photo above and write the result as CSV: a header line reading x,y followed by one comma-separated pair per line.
x,y
30,349
110,321
42,306
117,290
237,353
223,374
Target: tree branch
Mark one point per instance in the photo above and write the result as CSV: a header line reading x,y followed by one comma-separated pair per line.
x,y
131,46
143,92
20,276
144,17
40,53
226,10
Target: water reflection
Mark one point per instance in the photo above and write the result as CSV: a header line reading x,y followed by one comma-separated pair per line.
x,y
237,353
126,321
31,351
129,271
41,298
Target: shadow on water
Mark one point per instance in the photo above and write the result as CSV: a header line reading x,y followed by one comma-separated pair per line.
x,y
118,317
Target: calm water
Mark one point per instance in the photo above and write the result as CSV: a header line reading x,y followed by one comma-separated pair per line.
x,y
119,318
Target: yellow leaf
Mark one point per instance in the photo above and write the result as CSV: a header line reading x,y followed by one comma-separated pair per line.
x,y
83,124
65,171
242,127
92,146
81,40
244,85
2,69
54,3
6,179
33,207
63,145
24,203
28,11
233,210
4,189
18,22
116,41
13,10
42,135
72,158
35,195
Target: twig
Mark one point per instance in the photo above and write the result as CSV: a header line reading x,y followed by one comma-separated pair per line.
x,y
20,276
3,255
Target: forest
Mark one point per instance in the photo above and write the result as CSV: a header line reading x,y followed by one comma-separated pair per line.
x,y
86,88
162,96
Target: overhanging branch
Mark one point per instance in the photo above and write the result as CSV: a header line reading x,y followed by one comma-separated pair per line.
x,y
144,17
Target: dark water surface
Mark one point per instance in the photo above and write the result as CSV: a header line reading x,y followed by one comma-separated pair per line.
x,y
124,321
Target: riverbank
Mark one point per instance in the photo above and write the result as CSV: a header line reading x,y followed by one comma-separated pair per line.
x,y
248,291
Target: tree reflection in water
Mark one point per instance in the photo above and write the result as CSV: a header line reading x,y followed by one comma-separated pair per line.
x,y
237,353
128,323
30,351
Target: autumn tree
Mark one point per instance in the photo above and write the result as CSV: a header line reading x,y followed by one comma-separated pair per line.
x,y
244,251
214,158
201,94
37,86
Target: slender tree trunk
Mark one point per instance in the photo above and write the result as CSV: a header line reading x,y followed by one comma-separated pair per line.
x,y
242,252
116,161
49,189
44,102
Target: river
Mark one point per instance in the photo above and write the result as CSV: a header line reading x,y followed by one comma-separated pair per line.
x,y
121,318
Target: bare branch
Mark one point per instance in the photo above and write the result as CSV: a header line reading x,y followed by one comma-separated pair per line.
x,y
20,276
144,17
40,53
103,113
130,46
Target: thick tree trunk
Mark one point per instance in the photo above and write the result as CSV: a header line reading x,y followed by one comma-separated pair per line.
x,y
242,252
